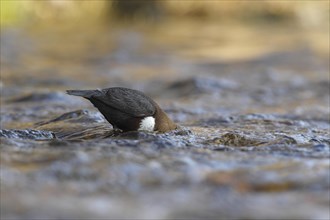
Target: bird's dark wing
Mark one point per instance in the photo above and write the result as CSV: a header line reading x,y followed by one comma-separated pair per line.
x,y
130,101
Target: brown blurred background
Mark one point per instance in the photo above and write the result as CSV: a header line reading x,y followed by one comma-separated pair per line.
x,y
117,33
304,13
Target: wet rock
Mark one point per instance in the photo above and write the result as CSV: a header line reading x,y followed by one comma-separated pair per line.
x,y
227,179
237,140
256,116
294,150
180,115
217,121
38,97
198,85
182,131
150,140
69,115
273,186
160,143
27,134
77,125
284,139
221,148
78,116
321,140
320,147
79,133
135,135
58,143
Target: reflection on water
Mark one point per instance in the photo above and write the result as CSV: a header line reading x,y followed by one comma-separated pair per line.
x,y
253,103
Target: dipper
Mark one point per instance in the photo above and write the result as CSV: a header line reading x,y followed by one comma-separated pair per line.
x,y
128,109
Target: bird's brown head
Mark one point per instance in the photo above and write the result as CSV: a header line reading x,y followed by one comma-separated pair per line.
x,y
162,122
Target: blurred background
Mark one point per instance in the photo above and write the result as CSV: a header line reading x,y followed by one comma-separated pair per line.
x,y
249,79
70,38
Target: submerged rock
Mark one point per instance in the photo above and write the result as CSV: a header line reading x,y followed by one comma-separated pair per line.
x,y
27,134
37,97
79,116
238,140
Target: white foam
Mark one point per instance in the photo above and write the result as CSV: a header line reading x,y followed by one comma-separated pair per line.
x,y
147,124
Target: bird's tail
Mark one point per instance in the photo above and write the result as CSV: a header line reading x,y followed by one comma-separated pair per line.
x,y
84,93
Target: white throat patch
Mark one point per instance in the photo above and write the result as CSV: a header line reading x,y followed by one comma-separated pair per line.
x,y
147,124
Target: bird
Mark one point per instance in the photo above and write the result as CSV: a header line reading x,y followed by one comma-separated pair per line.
x,y
128,109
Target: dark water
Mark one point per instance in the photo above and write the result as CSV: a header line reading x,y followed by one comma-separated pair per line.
x,y
253,143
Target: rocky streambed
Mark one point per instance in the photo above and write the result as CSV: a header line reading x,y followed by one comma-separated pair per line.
x,y
253,143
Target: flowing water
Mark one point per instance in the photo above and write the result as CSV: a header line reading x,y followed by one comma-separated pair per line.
x,y
252,103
